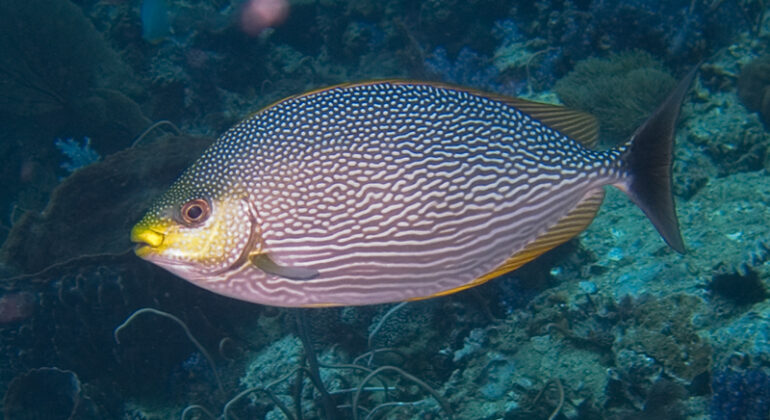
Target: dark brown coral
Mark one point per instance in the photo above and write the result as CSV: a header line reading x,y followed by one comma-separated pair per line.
x,y
754,87
91,212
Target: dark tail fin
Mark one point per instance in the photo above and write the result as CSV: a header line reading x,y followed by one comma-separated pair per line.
x,y
649,157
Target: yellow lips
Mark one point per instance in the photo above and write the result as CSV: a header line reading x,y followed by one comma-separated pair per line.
x,y
146,239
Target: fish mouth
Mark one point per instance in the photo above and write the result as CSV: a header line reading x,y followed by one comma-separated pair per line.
x,y
146,240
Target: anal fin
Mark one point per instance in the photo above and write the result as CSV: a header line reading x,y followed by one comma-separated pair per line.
x,y
569,226
574,222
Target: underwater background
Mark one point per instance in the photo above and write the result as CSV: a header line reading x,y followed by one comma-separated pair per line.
x,y
104,102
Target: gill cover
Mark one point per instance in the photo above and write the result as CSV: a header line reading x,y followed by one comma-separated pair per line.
x,y
199,236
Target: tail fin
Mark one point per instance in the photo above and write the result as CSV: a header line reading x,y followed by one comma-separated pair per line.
x,y
648,158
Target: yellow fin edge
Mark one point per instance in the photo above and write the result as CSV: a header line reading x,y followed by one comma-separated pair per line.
x,y
576,221
578,125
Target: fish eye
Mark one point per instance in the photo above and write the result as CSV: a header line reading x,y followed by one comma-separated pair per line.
x,y
195,211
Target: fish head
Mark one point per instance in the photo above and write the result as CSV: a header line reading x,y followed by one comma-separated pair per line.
x,y
198,235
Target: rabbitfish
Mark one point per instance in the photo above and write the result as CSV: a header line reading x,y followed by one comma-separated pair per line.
x,y
392,190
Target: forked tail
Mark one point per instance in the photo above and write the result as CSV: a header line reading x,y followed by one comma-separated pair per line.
x,y
648,159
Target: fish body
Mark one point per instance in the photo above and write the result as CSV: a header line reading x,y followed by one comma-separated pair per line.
x,y
390,191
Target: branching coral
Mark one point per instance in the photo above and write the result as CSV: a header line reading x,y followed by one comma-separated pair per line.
x,y
288,380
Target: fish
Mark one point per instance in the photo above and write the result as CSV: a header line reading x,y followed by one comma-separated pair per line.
x,y
389,191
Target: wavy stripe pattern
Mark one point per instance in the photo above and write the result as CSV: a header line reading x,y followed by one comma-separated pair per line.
x,y
394,191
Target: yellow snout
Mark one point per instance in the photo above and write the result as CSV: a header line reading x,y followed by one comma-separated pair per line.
x,y
146,239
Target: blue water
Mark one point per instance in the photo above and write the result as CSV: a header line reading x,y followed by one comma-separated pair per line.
x,y
613,324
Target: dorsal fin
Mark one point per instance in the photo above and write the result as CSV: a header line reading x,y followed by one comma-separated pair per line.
x,y
577,125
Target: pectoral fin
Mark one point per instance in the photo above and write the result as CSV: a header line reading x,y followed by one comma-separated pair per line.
x,y
266,264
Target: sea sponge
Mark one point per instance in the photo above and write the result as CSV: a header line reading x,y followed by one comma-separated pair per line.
x,y
620,91
92,210
49,393
754,87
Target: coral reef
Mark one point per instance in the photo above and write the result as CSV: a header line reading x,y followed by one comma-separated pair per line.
x,y
39,79
92,210
620,90
79,156
740,394
741,286
77,309
610,325
662,331
59,70
468,68
754,86
49,393
679,30
59,78
731,140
